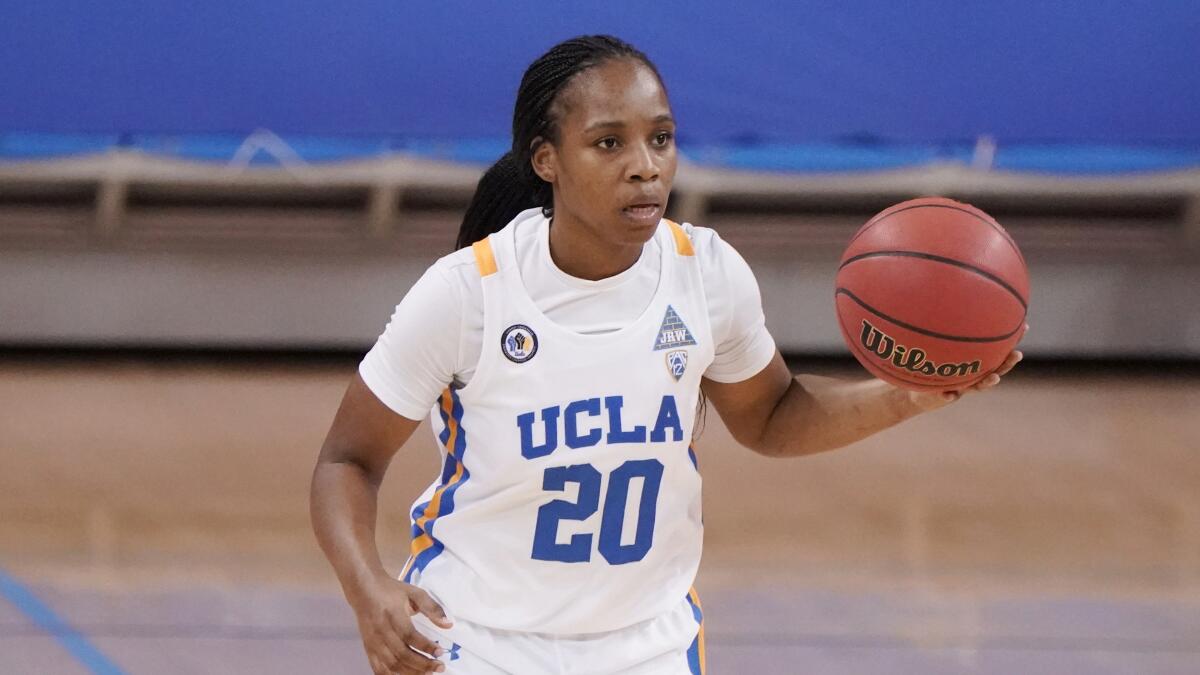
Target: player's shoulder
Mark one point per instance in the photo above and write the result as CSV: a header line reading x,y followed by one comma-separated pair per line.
x,y
724,270
453,263
459,271
708,246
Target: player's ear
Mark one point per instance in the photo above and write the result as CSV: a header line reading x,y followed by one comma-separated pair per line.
x,y
544,160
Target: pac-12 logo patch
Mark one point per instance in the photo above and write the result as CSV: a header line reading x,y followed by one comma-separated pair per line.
x,y
677,362
519,343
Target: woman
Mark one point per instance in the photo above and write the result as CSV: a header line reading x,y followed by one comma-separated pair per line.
x,y
564,348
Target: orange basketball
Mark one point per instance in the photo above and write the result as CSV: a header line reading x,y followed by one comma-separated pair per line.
x,y
932,294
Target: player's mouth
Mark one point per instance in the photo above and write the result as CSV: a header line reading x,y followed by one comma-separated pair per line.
x,y
646,214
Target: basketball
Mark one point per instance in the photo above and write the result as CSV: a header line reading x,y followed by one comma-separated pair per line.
x,y
932,294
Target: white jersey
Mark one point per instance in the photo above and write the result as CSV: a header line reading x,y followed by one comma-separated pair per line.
x,y
445,309
569,500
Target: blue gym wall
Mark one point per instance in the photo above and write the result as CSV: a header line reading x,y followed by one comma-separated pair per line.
x,y
894,82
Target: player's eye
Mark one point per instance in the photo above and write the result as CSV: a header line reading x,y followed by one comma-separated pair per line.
x,y
663,138
607,143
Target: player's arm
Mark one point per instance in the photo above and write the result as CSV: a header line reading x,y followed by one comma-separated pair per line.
x,y
396,384
764,407
778,415
362,440
364,436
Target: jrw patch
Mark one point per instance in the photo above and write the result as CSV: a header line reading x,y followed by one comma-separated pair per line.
x,y
673,333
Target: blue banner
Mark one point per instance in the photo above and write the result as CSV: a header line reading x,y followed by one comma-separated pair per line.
x,y
922,74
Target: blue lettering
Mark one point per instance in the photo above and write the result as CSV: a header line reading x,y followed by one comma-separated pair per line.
x,y
668,426
549,424
545,534
615,433
668,418
612,524
571,421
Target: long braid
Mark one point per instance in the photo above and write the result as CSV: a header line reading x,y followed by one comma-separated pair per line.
x,y
510,185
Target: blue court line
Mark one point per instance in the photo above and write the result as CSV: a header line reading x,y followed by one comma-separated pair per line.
x,y
40,614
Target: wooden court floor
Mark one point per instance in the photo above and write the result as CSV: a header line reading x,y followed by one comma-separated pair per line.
x,y
153,519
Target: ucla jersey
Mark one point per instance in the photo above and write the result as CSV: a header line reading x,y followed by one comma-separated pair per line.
x,y
569,497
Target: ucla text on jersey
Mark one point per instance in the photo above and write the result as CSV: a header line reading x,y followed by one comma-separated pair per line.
x,y
574,416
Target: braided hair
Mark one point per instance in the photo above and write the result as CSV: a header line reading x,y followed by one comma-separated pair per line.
x,y
510,185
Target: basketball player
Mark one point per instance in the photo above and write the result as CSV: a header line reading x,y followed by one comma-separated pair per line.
x,y
563,350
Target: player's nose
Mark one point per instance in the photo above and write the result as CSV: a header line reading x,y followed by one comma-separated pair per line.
x,y
643,164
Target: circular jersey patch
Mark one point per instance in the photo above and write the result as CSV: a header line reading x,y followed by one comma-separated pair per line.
x,y
519,343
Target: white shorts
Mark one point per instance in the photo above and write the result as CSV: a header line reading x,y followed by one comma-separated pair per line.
x,y
671,644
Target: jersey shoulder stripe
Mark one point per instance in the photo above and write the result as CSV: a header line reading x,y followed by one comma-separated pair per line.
x,y
485,258
683,245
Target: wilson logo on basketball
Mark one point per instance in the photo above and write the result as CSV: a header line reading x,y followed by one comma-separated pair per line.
x,y
910,358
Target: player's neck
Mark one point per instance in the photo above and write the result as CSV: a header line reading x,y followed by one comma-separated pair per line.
x,y
576,251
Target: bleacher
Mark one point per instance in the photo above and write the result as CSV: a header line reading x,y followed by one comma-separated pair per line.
x,y
269,197
124,219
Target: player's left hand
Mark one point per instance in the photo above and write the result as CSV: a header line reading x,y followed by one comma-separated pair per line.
x,y
933,400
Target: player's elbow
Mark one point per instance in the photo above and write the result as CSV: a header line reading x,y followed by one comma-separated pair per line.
x,y
765,444
783,446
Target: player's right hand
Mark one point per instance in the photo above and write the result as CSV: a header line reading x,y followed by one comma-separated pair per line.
x,y
393,644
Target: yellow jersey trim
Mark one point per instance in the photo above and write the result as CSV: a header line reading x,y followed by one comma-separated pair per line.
x,y
485,259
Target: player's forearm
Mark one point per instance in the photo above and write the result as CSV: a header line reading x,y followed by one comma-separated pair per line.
x,y
343,502
821,413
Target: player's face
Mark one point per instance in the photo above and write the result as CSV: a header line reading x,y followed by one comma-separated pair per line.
x,y
615,160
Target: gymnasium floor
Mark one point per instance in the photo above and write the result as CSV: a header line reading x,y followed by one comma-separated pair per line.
x,y
153,519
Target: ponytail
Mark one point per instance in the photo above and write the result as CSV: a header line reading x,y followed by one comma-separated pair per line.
x,y
503,191
510,186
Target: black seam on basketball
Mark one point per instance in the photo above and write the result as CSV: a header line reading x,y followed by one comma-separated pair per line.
x,y
922,331
869,363
949,261
994,226
880,218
